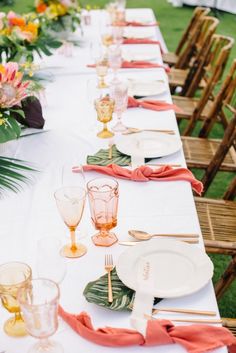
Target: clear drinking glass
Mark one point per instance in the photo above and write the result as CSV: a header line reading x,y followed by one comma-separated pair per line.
x,y
119,92
70,202
50,264
13,276
118,34
39,304
115,60
70,178
103,196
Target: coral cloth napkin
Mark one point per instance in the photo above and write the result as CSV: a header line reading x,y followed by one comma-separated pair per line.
x,y
143,65
152,104
194,338
138,65
135,24
142,41
145,173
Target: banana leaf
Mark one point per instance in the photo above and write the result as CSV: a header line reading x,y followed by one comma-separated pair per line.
x,y
102,158
12,174
123,297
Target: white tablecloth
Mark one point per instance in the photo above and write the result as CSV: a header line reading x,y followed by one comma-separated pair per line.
x,y
32,214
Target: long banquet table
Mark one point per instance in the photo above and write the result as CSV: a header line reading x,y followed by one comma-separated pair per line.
x,y
32,214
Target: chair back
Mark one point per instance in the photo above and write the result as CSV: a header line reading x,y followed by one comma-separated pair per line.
x,y
186,46
223,149
197,69
215,64
230,193
225,102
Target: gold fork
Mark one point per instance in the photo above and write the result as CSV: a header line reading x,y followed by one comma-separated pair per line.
x,y
109,268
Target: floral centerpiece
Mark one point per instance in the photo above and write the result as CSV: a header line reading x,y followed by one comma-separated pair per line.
x,y
21,36
59,15
12,91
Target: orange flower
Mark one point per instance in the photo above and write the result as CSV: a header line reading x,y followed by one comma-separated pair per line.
x,y
16,21
41,8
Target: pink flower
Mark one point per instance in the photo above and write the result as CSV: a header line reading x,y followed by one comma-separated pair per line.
x,y
12,89
11,14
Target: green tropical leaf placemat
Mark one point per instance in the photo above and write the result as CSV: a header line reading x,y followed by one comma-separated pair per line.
x,y
102,158
123,297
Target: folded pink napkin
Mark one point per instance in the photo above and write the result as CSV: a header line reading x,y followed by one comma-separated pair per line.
x,y
138,65
143,65
135,24
194,338
142,41
152,104
146,173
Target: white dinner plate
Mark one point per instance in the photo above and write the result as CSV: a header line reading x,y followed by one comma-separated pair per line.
x,y
138,32
178,268
144,88
147,144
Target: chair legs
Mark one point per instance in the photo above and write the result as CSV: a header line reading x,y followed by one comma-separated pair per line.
x,y
226,279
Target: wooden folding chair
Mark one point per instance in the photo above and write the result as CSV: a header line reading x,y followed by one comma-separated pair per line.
x,y
194,109
185,48
218,224
212,155
229,324
193,78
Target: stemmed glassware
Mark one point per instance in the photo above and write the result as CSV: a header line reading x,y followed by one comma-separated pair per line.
x,y
50,264
115,60
39,304
119,92
104,107
13,276
118,34
101,71
103,196
70,202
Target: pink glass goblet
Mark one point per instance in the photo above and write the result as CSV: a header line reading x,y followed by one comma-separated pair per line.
x,y
114,60
39,304
103,196
119,92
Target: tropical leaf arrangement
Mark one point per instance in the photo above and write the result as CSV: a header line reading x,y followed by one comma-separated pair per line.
x,y
123,297
58,15
23,35
12,174
12,91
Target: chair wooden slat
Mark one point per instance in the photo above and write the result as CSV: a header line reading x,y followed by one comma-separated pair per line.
x,y
187,41
218,224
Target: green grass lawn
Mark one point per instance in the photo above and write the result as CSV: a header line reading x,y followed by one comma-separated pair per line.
x,y
172,22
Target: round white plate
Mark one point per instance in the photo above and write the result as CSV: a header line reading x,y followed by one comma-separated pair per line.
x,y
139,56
179,268
146,88
138,32
148,144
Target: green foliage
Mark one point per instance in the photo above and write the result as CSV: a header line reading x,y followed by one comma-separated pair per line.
x,y
9,127
12,174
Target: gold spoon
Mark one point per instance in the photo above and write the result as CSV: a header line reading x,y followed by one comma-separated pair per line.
x,y
134,130
141,235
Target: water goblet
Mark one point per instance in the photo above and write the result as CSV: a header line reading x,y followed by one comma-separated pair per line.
x,y
103,194
101,71
70,202
114,60
118,34
106,37
119,92
50,264
104,107
39,304
13,276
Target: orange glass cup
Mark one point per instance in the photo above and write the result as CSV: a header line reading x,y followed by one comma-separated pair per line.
x,y
103,194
